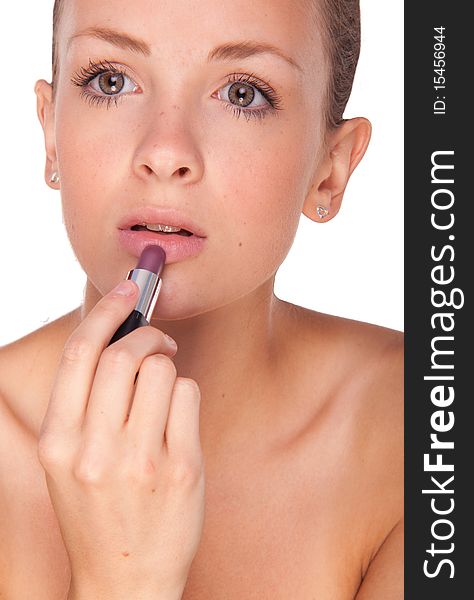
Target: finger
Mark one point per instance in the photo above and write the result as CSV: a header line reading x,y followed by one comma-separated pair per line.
x,y
81,354
113,387
151,402
182,429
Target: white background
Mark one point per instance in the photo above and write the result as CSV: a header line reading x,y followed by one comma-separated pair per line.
x,y
351,266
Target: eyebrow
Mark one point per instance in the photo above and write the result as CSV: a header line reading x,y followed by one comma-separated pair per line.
x,y
228,51
236,50
121,40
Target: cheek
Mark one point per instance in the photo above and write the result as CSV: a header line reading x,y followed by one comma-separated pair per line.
x,y
261,184
88,149
89,183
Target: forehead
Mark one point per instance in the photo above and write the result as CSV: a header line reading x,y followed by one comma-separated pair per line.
x,y
184,28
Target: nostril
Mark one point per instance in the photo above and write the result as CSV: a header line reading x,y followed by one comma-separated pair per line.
x,y
183,170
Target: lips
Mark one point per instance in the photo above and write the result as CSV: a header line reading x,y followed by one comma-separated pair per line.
x,y
186,244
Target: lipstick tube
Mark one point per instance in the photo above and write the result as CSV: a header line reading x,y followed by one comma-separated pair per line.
x,y
147,277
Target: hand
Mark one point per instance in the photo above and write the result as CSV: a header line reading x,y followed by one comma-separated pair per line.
x,y
128,491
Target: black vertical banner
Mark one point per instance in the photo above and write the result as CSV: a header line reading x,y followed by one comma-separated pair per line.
x,y
439,205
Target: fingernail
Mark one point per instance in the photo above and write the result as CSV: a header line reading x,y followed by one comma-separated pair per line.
x,y
124,288
171,341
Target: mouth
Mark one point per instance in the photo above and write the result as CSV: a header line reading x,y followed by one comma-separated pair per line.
x,y
180,236
161,230
162,222
179,243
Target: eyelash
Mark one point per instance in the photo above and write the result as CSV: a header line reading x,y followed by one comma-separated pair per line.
x,y
267,92
86,75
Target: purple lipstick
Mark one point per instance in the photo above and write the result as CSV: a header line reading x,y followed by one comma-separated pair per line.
x,y
147,276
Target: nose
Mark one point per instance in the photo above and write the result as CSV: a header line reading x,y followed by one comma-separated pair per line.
x,y
167,151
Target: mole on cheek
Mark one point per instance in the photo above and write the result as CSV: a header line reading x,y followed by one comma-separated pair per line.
x,y
240,243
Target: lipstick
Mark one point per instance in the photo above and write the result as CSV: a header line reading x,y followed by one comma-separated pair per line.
x,y
147,276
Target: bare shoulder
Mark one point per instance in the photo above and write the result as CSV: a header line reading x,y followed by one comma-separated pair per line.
x,y
27,366
354,376
363,367
374,358
352,351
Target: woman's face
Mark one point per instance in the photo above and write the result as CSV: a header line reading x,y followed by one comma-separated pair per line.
x,y
173,138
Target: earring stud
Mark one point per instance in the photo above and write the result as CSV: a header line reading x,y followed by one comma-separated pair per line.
x,y
322,211
54,177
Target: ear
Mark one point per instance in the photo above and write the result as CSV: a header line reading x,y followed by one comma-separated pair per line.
x,y
345,147
45,110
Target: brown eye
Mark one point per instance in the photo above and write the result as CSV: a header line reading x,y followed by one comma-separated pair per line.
x,y
241,94
111,83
